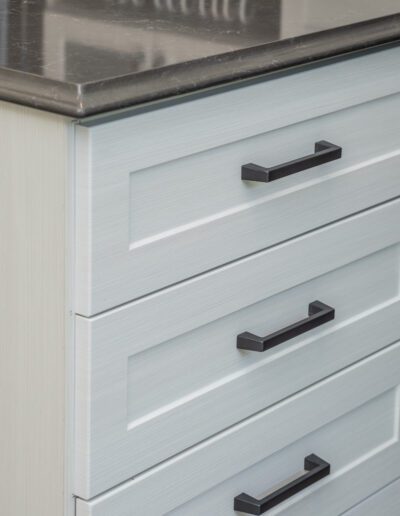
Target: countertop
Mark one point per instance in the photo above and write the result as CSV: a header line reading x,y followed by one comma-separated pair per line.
x,y
83,57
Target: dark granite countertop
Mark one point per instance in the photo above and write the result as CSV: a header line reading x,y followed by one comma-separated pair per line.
x,y
81,57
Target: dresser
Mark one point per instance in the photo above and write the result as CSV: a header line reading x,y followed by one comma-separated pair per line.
x,y
200,259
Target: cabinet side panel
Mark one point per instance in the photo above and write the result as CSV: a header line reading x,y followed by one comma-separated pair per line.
x,y
33,315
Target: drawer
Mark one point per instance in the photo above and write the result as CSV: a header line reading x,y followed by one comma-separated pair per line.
x,y
160,197
162,373
384,503
350,420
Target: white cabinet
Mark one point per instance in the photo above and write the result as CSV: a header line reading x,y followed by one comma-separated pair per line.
x,y
170,355
177,256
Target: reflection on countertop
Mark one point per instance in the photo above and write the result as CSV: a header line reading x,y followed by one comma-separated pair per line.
x,y
86,40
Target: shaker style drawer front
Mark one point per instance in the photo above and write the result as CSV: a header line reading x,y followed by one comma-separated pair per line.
x,y
344,432
155,207
384,503
156,376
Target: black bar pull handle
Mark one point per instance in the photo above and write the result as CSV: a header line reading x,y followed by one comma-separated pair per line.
x,y
316,469
324,152
318,314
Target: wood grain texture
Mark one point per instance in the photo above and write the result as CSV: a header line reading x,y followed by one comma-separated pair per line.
x,y
351,419
166,183
33,312
202,317
360,292
353,443
385,503
203,189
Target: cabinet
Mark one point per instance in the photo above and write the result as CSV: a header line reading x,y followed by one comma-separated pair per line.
x,y
193,332
179,254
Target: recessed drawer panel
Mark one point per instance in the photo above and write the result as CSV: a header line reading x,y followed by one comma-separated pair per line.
x,y
348,424
384,503
146,220
158,375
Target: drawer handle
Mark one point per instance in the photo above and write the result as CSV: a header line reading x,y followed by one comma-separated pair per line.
x,y
316,470
319,314
324,152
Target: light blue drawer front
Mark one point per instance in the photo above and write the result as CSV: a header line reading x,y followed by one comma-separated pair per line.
x,y
160,196
384,503
165,370
350,420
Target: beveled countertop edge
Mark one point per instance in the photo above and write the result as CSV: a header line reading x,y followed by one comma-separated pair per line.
x,y
82,100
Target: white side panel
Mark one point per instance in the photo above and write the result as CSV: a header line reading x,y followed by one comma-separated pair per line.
x,y
193,327
153,208
34,319
350,419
